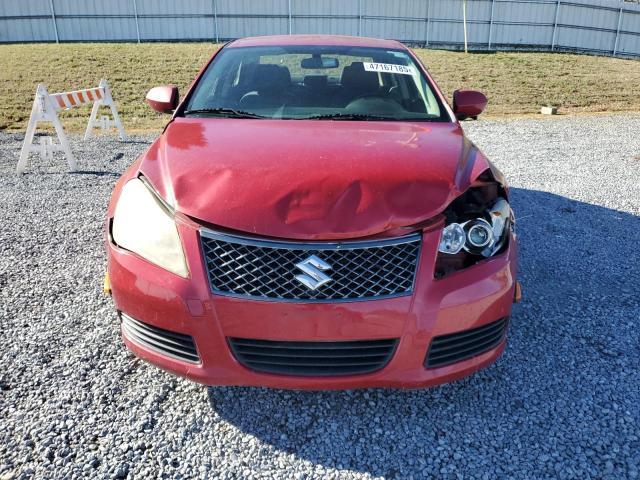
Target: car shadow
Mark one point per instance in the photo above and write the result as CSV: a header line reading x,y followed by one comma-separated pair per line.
x,y
574,327
96,173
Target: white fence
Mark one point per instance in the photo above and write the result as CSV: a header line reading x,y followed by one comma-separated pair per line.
x,y
607,27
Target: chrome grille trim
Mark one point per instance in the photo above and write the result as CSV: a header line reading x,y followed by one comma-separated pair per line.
x,y
273,268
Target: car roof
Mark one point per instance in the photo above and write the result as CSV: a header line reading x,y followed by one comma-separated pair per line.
x,y
340,40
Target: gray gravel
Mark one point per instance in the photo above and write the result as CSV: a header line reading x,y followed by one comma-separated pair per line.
x,y
563,401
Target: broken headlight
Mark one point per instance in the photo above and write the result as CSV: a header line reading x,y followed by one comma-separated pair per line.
x,y
477,227
479,236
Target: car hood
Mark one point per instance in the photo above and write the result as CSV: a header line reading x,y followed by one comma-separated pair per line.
x,y
311,179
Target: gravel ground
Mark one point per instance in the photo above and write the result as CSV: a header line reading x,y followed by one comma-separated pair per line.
x,y
563,401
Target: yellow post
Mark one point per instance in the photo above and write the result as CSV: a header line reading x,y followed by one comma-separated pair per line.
x,y
517,294
106,286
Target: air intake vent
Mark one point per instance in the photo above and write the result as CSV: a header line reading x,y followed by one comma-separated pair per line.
x,y
460,346
313,358
170,344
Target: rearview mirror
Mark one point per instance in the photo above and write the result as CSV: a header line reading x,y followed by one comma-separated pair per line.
x,y
163,99
317,62
468,103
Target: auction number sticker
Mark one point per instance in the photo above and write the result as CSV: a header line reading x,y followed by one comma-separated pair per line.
x,y
387,68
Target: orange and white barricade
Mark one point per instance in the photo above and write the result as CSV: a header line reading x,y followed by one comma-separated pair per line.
x,y
45,109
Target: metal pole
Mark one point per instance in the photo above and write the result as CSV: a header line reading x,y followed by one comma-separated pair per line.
x,y
493,2
555,27
55,24
428,21
215,20
615,44
135,12
290,17
464,20
359,17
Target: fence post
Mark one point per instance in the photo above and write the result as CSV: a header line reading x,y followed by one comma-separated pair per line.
x,y
464,21
215,20
615,44
493,2
290,29
555,27
135,13
53,18
428,22
359,17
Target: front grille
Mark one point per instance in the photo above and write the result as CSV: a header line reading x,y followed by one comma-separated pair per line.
x,y
239,266
313,358
459,346
171,344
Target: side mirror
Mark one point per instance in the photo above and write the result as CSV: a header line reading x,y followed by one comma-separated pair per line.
x,y
163,99
468,103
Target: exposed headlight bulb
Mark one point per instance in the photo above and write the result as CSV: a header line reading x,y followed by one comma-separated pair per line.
x,y
479,236
453,239
479,233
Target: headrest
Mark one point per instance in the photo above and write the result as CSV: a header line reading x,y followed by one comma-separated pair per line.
x,y
355,76
265,76
316,81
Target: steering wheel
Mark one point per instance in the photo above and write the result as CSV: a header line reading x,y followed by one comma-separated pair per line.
x,y
247,95
283,99
386,104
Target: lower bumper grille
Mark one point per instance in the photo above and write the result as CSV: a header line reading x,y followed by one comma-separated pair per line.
x,y
165,342
313,358
455,347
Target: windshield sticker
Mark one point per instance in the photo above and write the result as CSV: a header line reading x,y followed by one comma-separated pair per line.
x,y
387,68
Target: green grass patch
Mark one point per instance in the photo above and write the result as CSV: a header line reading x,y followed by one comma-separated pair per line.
x,y
516,83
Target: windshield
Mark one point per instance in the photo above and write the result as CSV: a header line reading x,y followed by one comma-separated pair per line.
x,y
315,82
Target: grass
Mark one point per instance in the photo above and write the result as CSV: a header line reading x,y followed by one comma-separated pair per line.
x,y
516,83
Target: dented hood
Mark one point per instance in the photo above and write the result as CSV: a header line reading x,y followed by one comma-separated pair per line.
x,y
311,179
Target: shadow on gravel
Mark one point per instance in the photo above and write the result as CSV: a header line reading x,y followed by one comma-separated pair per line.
x,y
97,173
62,174
552,399
138,142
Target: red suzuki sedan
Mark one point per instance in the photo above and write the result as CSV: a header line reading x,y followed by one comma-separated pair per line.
x,y
313,217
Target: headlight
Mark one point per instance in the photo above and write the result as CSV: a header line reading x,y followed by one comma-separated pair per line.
x,y
477,226
453,238
144,225
479,236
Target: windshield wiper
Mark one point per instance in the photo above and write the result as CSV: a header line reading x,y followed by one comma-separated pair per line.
x,y
225,112
366,116
347,116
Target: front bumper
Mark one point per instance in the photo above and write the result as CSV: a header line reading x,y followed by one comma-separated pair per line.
x,y
463,300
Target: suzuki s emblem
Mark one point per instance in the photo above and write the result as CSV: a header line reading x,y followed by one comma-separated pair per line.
x,y
313,269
